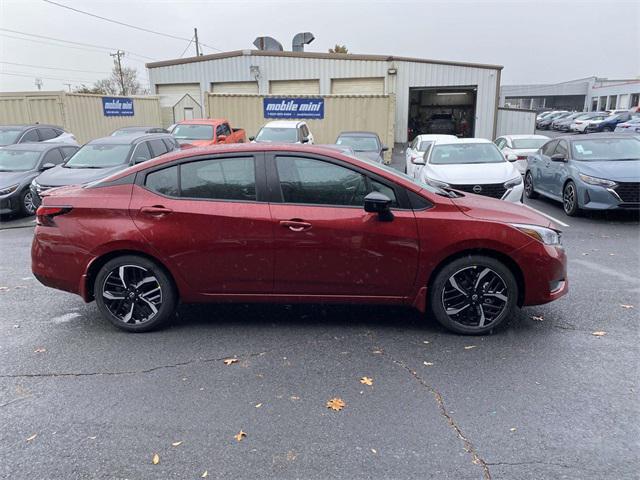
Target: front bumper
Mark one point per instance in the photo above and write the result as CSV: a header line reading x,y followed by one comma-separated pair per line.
x,y
11,203
514,194
545,279
593,197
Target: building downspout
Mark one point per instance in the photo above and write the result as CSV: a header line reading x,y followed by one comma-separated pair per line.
x,y
495,111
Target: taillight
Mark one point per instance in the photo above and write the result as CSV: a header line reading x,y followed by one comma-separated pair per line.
x,y
522,157
45,215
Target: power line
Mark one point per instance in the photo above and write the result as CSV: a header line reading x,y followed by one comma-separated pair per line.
x,y
54,68
31,75
80,45
117,22
187,47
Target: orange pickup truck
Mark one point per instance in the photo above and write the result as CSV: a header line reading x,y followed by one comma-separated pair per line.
x,y
202,132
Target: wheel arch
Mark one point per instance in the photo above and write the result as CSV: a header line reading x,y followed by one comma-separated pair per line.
x,y
505,259
95,266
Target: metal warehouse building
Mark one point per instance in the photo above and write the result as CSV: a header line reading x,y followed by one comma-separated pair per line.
x,y
418,88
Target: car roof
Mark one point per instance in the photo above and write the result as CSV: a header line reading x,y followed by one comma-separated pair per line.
x,y
36,146
202,121
130,139
23,126
593,136
472,140
516,137
356,133
284,123
133,127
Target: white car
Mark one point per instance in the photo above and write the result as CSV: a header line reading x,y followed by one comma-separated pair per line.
x,y
580,124
416,150
472,165
284,131
516,148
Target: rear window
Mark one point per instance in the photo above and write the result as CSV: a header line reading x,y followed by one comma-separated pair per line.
x,y
193,132
276,134
603,149
528,143
359,143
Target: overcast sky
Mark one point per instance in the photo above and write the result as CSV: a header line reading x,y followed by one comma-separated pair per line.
x,y
536,41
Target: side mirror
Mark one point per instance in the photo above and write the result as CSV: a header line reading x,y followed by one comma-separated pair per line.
x,y
385,148
251,139
512,157
47,166
558,157
221,138
419,160
379,203
139,159
305,140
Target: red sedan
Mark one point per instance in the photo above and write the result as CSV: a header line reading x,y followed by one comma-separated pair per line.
x,y
287,223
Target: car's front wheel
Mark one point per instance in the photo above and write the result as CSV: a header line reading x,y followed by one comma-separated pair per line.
x,y
570,199
134,293
473,295
27,207
528,186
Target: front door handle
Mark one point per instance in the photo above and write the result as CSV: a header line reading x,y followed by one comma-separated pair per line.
x,y
156,211
295,225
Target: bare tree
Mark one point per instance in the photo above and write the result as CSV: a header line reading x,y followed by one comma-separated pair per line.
x,y
339,49
112,86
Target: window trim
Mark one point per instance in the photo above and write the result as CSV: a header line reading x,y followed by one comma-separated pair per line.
x,y
260,173
275,192
29,131
135,149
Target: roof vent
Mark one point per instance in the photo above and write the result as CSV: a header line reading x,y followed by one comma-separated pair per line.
x,y
268,43
300,40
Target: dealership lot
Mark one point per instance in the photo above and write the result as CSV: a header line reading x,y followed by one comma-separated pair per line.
x,y
544,398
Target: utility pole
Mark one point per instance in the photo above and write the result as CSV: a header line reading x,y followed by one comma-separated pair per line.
x,y
195,35
117,56
68,86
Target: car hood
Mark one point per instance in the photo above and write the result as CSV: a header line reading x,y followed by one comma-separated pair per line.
x,y
616,170
468,173
370,156
59,176
492,209
7,179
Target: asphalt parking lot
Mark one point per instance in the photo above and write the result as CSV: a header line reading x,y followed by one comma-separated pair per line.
x,y
542,399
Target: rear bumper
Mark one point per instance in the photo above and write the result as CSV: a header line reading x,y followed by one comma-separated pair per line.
x,y
545,280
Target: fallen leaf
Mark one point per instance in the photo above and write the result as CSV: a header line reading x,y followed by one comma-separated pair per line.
x,y
469,347
176,444
599,334
230,361
585,253
426,342
336,404
156,459
627,306
4,289
428,364
366,381
40,350
512,429
240,435
205,474
32,437
376,351
92,438
612,254
258,405
293,397
374,450
539,318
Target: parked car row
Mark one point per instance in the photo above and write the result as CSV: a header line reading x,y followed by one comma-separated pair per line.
x,y
585,122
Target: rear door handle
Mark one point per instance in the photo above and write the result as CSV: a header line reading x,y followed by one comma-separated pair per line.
x,y
295,225
156,211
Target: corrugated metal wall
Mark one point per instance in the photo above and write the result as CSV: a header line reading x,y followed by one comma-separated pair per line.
x,y
79,114
341,112
409,74
513,121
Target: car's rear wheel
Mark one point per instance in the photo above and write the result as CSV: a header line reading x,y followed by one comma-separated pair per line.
x,y
473,295
27,207
528,186
607,129
570,199
134,293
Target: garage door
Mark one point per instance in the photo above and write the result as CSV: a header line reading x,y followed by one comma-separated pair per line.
x,y
170,94
234,87
354,86
294,87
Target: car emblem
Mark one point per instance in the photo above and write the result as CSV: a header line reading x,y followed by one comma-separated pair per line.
x,y
477,189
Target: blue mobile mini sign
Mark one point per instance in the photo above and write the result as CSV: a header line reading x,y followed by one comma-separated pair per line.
x,y
117,107
288,107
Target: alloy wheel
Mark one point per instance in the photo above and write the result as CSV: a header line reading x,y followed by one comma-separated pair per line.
x,y
528,184
569,198
29,206
132,294
475,296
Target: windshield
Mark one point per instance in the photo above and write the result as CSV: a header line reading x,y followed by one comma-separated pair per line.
x,y
276,134
9,136
99,156
193,132
360,144
18,160
465,153
528,143
603,149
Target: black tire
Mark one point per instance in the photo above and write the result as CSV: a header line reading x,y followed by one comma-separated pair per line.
x,y
529,191
570,199
27,207
144,297
607,129
477,282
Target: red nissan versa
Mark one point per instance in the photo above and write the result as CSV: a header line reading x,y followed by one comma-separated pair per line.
x,y
287,223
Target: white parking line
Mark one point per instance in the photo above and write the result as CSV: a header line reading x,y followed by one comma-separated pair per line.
x,y
548,216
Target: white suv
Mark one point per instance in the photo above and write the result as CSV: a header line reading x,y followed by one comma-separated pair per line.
x,y
285,131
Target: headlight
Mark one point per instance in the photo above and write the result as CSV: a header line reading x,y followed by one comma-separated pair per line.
x,y
597,181
514,182
542,234
34,184
436,183
8,190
